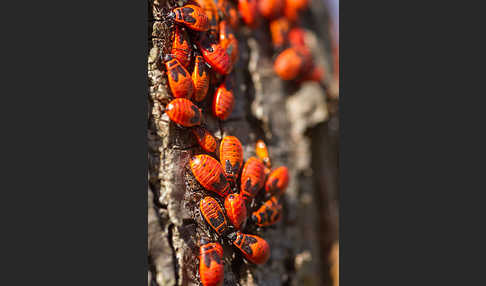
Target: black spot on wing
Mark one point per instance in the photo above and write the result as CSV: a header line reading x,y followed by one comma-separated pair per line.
x,y
173,63
201,67
187,10
250,240
274,184
263,218
216,257
181,71
197,115
248,186
246,244
174,74
221,184
189,19
207,259
254,189
206,248
218,221
246,196
269,213
181,36
228,168
236,167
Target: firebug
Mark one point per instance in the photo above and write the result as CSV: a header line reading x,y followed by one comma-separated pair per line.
x,y
279,29
228,41
191,16
232,15
213,214
200,78
211,12
277,181
262,153
223,100
215,55
249,12
181,48
270,9
268,214
204,138
183,112
296,37
291,62
235,210
252,178
180,81
211,265
254,248
231,157
293,7
229,12
209,173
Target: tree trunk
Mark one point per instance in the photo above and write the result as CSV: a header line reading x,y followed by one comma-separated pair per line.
x,y
300,133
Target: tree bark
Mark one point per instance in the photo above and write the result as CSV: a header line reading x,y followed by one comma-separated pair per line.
x,y
300,133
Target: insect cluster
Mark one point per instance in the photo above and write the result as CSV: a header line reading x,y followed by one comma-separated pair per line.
x,y
203,52
237,186
203,41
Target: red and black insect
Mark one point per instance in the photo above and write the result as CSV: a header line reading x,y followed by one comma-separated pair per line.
x,y
180,81
212,12
223,100
269,213
296,37
252,178
209,173
270,9
253,247
230,13
279,29
183,112
249,12
181,48
228,41
231,157
200,78
314,74
277,181
291,62
262,153
298,4
213,214
204,138
191,16
293,7
235,210
215,55
211,265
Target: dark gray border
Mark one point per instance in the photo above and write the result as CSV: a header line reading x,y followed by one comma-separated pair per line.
x,y
410,128
75,143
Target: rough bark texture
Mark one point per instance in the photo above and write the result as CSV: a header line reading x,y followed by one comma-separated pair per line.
x,y
300,133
